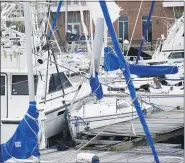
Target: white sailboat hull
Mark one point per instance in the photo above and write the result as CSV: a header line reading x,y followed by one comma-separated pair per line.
x,y
99,115
166,102
52,125
163,101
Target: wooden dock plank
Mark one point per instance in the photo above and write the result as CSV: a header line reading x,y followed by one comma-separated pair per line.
x,y
162,126
167,154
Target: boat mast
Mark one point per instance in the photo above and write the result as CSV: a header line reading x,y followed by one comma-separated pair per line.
x,y
28,32
27,20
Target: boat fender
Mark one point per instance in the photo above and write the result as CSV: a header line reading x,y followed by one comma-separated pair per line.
x,y
87,158
40,61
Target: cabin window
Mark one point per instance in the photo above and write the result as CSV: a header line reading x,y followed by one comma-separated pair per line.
x,y
123,27
176,55
149,31
57,84
20,84
2,85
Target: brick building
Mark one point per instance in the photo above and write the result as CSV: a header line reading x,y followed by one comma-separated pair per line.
x,y
163,16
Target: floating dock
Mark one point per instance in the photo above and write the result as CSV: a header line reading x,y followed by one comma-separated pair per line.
x,y
126,135
126,143
168,153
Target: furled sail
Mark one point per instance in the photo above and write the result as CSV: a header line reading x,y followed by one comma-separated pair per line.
x,y
96,87
152,70
24,143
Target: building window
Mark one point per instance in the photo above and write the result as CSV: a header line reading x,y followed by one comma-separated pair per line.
x,y
123,27
149,31
57,84
2,85
20,84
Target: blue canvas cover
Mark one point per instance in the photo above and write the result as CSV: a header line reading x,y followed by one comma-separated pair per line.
x,y
24,142
111,62
152,70
96,87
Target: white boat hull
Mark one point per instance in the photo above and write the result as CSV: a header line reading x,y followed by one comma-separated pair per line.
x,y
97,115
166,102
52,125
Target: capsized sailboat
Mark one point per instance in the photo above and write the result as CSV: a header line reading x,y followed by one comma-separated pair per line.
x,y
98,110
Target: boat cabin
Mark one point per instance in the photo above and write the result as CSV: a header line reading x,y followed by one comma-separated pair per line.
x,y
15,95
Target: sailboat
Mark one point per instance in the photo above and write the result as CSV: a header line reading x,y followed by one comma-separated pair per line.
x,y
148,89
53,91
97,110
170,51
24,142
147,85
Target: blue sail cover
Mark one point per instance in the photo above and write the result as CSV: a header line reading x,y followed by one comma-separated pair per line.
x,y
152,70
111,63
96,87
24,143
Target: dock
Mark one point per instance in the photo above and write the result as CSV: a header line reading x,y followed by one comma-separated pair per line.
x,y
168,153
126,143
126,135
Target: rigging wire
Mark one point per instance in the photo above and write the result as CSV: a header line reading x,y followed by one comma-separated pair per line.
x,y
134,27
